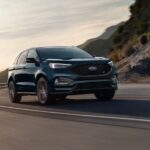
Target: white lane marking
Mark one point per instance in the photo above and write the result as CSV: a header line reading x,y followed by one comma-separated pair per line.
x,y
116,96
77,115
133,97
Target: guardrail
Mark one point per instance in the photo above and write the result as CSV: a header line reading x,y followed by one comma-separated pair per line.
x,y
3,85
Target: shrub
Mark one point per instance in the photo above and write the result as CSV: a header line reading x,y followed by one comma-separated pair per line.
x,y
117,39
135,39
121,29
126,49
144,39
116,55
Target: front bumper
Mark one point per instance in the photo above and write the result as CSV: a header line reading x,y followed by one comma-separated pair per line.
x,y
86,87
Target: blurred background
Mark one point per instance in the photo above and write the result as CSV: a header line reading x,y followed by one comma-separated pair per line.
x,y
116,29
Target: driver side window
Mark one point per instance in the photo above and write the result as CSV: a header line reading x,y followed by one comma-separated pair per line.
x,y
33,54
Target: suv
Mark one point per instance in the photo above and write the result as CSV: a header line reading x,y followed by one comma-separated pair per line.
x,y
54,72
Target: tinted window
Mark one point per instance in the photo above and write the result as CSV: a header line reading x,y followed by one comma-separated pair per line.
x,y
22,58
33,54
62,53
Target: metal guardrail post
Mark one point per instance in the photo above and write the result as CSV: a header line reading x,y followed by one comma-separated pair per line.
x,y
3,85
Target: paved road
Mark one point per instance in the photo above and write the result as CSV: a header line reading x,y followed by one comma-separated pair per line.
x,y
78,123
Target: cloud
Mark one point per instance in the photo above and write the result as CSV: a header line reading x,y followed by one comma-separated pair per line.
x,y
34,17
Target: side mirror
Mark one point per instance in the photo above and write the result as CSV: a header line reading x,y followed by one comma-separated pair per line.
x,y
31,60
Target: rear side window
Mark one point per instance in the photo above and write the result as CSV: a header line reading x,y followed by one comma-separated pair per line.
x,y
22,58
15,62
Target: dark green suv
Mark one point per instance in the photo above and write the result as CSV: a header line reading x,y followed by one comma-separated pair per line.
x,y
55,72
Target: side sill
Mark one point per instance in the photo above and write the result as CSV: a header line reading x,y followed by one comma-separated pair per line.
x,y
26,93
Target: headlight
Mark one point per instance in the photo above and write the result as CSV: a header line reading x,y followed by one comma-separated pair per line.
x,y
111,63
59,65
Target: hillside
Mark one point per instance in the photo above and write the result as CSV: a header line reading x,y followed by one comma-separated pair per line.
x,y
100,45
131,44
3,76
130,32
136,67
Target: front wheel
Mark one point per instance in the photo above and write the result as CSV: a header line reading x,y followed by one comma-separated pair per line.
x,y
13,95
43,92
105,95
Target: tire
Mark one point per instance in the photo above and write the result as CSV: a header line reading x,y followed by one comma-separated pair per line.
x,y
106,95
43,92
13,96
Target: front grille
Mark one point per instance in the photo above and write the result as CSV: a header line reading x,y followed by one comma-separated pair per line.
x,y
84,70
93,85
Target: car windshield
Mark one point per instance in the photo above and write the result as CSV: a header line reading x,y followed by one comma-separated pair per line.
x,y
62,53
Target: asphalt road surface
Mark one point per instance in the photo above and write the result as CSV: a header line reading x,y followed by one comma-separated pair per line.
x,y
78,123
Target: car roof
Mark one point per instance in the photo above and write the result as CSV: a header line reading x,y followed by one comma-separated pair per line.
x,y
54,47
50,47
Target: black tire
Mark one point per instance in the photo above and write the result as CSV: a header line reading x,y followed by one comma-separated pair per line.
x,y
105,95
43,92
13,96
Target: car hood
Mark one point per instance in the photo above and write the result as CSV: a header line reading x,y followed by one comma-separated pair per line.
x,y
95,60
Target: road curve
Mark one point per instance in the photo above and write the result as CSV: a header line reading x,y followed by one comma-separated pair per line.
x,y
80,122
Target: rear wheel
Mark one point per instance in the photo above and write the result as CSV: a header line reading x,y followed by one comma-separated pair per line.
x,y
13,96
43,92
105,95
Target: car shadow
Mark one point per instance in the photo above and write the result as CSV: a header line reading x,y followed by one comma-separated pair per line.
x,y
137,108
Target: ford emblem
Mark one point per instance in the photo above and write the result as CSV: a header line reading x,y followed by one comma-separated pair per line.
x,y
93,68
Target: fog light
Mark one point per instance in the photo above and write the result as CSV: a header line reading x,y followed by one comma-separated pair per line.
x,y
61,81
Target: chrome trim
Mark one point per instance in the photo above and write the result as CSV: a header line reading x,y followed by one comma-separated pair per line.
x,y
93,68
27,93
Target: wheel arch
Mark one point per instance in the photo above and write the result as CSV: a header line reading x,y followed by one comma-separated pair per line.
x,y
10,79
40,75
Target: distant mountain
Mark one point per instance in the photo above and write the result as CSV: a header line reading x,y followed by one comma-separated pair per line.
x,y
109,31
3,76
101,45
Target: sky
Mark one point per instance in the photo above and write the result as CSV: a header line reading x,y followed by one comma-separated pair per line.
x,y
31,23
